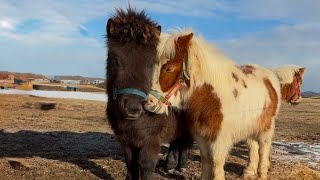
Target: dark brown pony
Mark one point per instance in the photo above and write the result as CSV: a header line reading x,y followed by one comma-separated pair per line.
x,y
132,40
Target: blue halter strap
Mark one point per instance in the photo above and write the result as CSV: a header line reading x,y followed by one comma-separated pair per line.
x,y
137,92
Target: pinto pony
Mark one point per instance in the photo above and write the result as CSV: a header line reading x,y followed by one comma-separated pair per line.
x,y
224,103
132,40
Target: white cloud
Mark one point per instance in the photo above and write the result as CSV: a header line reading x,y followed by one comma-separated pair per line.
x,y
296,44
61,20
7,25
199,8
297,10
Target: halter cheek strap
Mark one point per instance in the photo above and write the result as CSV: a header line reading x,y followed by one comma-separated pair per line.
x,y
137,92
185,75
298,88
165,100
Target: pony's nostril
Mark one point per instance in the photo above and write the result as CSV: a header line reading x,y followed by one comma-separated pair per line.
x,y
124,102
135,110
151,101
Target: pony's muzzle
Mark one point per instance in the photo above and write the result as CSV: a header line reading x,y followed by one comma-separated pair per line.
x,y
153,105
295,101
131,106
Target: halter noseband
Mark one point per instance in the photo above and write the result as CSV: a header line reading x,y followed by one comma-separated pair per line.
x,y
137,92
165,100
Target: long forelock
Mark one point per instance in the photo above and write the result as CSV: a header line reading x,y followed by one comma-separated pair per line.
x,y
286,74
166,47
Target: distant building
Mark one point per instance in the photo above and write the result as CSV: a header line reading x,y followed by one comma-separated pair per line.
x,y
85,82
30,79
71,88
45,80
7,79
96,82
19,81
55,81
74,82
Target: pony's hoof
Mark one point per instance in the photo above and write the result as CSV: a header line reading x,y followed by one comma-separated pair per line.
x,y
249,175
170,171
219,178
263,178
182,170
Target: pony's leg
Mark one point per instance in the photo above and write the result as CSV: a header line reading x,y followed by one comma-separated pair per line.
x,y
183,159
206,158
251,171
184,145
148,158
265,146
220,150
172,157
178,153
131,157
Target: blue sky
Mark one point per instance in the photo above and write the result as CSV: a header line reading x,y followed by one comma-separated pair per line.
x,y
66,37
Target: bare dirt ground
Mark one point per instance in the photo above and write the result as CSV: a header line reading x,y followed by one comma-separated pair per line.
x,y
74,141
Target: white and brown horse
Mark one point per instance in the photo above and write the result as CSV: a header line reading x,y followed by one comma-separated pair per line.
x,y
290,78
225,103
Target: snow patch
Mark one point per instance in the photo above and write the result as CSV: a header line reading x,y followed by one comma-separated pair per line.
x,y
298,151
59,94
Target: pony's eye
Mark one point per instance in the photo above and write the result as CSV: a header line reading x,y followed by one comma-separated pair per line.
x,y
170,69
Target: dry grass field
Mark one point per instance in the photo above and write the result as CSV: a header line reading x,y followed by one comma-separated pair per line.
x,y
74,141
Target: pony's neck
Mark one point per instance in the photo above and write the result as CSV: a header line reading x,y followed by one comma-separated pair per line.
x,y
286,74
207,64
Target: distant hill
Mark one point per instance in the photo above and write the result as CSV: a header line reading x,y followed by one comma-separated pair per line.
x,y
22,76
26,76
309,94
81,78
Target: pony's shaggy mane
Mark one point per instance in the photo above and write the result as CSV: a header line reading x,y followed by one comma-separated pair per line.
x,y
129,25
285,74
132,15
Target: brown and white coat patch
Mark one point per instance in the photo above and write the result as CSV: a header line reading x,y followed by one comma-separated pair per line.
x,y
204,112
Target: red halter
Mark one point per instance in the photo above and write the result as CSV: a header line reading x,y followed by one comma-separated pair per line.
x,y
297,88
165,100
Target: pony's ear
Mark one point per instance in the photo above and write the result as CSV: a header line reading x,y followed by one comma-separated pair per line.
x,y
184,41
301,71
110,27
159,28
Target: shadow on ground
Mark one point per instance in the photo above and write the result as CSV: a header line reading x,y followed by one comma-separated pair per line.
x,y
78,149
72,147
